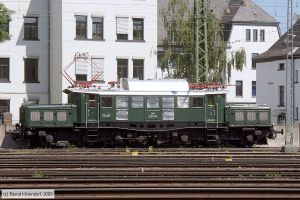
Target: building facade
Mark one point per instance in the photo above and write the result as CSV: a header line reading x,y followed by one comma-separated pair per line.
x,y
249,27
24,59
271,77
119,35
246,26
120,40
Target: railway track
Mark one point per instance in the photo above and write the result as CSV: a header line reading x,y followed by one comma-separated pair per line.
x,y
259,173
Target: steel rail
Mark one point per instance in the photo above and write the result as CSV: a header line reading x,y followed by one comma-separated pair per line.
x,y
101,174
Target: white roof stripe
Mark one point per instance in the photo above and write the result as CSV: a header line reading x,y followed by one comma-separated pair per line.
x,y
146,93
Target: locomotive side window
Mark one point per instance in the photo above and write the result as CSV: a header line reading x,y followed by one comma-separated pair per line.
x,y
122,115
122,102
61,116
210,100
239,116
92,101
168,114
152,102
263,116
35,116
183,102
137,102
197,102
168,108
168,102
122,108
251,116
106,102
48,116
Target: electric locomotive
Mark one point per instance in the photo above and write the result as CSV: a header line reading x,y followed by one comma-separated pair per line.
x,y
160,113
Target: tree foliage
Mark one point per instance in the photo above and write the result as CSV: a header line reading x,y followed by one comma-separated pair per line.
x,y
5,18
237,61
179,51
179,45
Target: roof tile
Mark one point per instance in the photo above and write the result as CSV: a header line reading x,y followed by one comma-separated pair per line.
x,y
238,11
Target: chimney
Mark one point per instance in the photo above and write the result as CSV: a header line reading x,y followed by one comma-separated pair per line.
x,y
244,2
227,10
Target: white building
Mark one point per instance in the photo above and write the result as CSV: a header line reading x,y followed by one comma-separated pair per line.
x,y
271,77
119,35
24,59
246,26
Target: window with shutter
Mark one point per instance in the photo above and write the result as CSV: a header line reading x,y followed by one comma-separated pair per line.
x,y
81,70
122,28
98,69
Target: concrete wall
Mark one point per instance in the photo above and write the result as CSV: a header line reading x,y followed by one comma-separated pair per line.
x,y
236,42
56,51
16,49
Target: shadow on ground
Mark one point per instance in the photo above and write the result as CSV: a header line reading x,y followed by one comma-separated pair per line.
x,y
6,140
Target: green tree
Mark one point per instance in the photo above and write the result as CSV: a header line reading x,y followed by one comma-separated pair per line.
x,y
5,18
179,52
237,61
179,45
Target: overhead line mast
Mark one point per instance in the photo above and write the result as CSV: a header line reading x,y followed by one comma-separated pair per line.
x,y
201,44
289,133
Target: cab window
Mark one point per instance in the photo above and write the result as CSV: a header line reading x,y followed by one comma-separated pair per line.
x,y
92,101
210,100
197,102
106,102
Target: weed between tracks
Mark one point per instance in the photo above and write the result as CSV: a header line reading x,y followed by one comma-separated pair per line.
x,y
274,175
38,174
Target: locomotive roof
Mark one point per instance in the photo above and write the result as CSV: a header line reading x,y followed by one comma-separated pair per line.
x,y
143,93
155,85
147,87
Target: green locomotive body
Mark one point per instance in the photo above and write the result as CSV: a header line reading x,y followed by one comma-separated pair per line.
x,y
56,116
143,117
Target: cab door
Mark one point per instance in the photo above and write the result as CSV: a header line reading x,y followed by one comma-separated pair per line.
x,y
211,108
92,108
